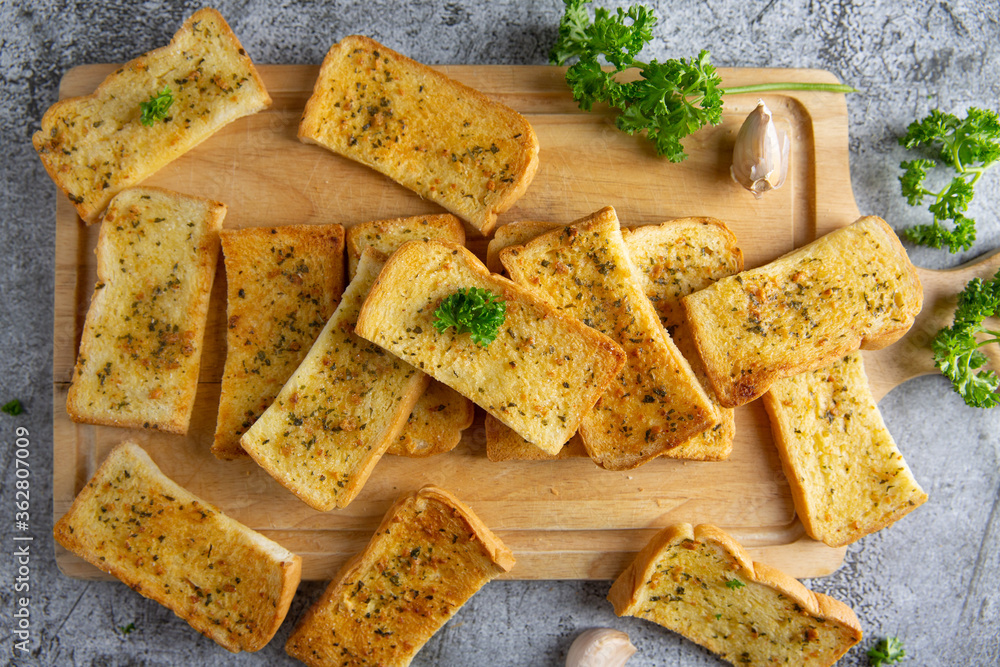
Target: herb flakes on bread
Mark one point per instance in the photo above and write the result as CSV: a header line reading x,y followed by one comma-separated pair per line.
x,y
441,414
227,581
387,235
852,288
540,376
439,138
847,477
142,340
339,411
429,555
673,259
700,583
94,146
655,403
283,284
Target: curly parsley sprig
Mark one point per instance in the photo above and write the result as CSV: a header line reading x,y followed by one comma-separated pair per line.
x,y
671,100
969,147
956,348
156,108
886,651
476,311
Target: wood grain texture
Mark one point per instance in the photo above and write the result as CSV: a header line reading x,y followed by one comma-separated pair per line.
x,y
563,519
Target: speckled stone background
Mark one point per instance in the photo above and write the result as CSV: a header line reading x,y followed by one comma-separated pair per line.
x,y
932,579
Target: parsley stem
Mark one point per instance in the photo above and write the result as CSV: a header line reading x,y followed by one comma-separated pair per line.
x,y
764,87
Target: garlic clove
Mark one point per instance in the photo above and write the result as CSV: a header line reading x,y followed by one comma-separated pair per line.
x,y
760,156
600,647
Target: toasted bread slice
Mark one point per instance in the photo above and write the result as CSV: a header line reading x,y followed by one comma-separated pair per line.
x,y
283,285
341,409
387,235
227,581
141,346
674,259
514,233
679,257
847,476
700,583
436,423
443,140
94,146
504,444
852,288
429,555
655,403
540,376
441,414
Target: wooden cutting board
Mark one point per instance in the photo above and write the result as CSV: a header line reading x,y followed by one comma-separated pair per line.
x,y
563,519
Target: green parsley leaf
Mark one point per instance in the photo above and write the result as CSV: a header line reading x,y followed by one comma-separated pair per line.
x,y
912,180
125,629
670,100
476,311
572,40
733,584
967,147
935,235
956,348
156,108
885,651
12,408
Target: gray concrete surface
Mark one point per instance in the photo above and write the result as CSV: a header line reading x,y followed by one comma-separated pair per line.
x,y
931,580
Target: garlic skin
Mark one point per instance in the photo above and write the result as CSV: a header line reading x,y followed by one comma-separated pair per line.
x,y
760,157
600,647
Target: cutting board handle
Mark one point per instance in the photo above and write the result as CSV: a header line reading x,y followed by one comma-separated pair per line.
x,y
912,357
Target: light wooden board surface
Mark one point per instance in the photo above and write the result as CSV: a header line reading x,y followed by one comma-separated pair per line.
x,y
563,519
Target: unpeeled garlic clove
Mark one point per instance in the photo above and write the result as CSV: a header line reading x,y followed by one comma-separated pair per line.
x,y
760,157
600,647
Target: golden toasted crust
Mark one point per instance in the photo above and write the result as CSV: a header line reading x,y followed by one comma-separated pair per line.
x,y
715,443
514,233
679,257
847,477
387,235
94,146
504,444
283,284
540,375
228,582
341,409
700,583
142,340
853,288
655,403
429,555
443,140
441,414
436,423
